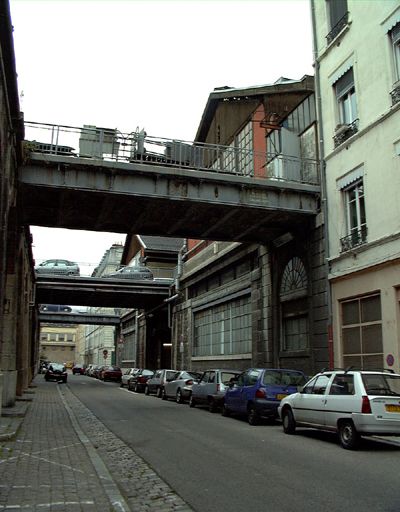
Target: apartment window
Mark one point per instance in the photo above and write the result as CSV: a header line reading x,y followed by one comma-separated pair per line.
x,y
395,41
338,17
346,98
362,345
355,216
224,329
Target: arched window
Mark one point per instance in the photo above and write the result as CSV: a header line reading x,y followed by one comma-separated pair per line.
x,y
294,277
294,307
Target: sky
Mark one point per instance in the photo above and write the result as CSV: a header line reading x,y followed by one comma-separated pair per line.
x,y
148,64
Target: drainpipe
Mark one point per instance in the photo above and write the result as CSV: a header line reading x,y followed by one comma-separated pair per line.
x,y
181,253
324,202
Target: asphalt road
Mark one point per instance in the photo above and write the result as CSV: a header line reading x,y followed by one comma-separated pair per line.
x,y
219,464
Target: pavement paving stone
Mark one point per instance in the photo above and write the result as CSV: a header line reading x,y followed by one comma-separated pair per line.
x,y
55,455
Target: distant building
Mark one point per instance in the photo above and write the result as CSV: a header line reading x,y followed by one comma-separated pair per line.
x,y
58,343
99,338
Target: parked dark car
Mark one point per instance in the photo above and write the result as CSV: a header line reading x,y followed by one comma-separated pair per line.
x,y
155,385
110,373
210,389
257,392
78,369
57,372
180,386
58,267
131,273
138,381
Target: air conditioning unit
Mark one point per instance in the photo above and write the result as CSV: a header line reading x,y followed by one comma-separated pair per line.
x,y
341,128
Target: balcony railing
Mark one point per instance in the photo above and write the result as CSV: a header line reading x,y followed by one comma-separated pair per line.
x,y
337,28
111,144
356,238
395,95
344,132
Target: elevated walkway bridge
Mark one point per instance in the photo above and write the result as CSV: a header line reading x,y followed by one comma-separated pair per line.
x,y
107,293
100,179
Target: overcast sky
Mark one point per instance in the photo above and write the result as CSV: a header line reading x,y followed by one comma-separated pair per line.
x,y
148,64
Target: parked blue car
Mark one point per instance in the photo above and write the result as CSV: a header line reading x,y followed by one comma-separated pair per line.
x,y
257,392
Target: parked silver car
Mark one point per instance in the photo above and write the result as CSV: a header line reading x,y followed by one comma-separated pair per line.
x,y
155,385
180,387
138,273
127,373
58,267
210,390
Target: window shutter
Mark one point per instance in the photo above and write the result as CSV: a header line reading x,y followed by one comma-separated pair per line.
x,y
345,83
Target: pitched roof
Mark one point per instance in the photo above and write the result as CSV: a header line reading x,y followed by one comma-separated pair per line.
x,y
281,86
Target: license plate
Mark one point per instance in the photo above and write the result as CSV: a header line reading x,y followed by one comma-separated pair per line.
x,y
280,396
392,408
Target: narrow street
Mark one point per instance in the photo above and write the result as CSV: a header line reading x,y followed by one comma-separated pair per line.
x,y
223,464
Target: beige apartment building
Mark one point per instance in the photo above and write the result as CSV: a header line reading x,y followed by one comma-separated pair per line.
x,y
58,343
357,62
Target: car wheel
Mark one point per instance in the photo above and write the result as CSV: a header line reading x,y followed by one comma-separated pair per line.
x,y
147,390
225,411
348,435
179,397
159,392
288,422
164,394
212,406
252,416
192,402
136,388
129,386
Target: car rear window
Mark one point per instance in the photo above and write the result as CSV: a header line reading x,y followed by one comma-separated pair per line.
x,y
284,378
378,384
227,376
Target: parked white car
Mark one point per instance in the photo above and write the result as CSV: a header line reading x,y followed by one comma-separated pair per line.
x,y
349,402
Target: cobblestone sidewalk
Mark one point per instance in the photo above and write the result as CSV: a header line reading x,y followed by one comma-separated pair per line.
x,y
63,457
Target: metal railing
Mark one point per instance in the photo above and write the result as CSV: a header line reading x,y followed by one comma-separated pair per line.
x,y
111,144
345,132
344,20
356,238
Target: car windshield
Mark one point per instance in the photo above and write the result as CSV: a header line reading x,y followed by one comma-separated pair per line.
x,y
379,384
284,378
57,366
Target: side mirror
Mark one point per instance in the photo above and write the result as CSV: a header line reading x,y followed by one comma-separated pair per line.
x,y
300,389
